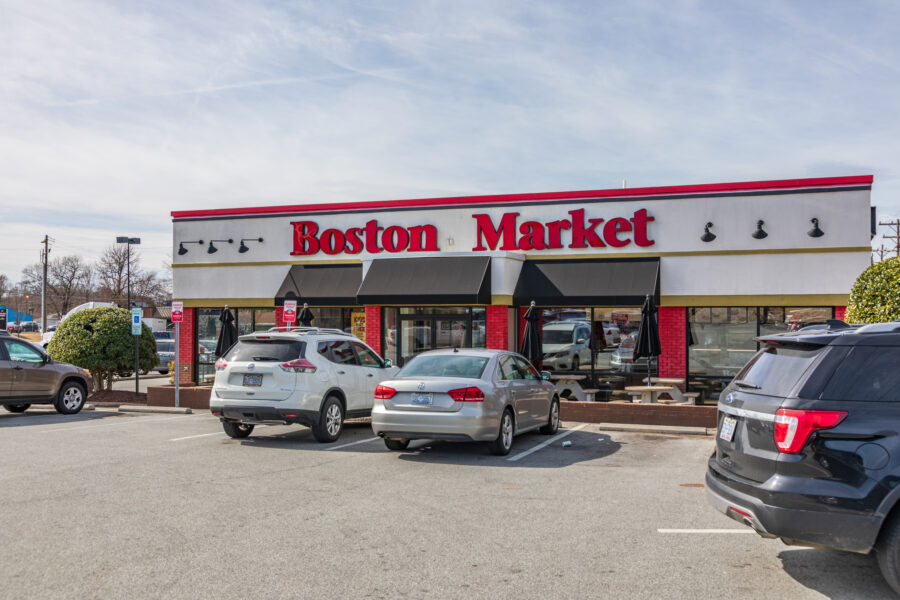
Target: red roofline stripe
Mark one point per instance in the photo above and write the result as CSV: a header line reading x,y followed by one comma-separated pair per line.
x,y
780,184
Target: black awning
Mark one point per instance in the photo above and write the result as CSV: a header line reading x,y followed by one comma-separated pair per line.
x,y
591,282
321,285
440,280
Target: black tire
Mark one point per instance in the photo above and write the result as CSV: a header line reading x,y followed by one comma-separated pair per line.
x,y
503,444
330,424
71,398
16,408
166,372
552,425
576,363
396,444
237,430
887,551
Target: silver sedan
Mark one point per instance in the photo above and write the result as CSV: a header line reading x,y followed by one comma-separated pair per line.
x,y
464,395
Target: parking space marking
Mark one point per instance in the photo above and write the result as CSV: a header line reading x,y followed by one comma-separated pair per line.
x,y
747,530
130,421
190,437
371,439
542,445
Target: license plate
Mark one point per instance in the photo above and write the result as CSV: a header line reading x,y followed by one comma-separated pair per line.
x,y
423,399
253,380
726,432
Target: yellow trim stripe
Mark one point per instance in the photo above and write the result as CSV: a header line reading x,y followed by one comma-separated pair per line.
x,y
758,300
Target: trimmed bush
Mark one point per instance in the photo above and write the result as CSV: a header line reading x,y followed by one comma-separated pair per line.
x,y
875,297
100,340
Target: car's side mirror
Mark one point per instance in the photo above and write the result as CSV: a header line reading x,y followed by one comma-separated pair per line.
x,y
388,363
579,341
46,359
545,375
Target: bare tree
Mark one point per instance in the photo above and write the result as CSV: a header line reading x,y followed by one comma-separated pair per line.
x,y
5,287
112,273
67,278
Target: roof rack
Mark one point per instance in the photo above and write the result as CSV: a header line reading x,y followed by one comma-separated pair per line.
x,y
289,329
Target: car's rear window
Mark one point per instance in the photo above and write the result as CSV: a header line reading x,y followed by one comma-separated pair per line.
x,y
266,351
775,370
162,346
445,366
868,373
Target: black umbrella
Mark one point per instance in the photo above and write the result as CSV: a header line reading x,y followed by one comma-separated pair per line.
x,y
227,334
306,317
531,340
647,344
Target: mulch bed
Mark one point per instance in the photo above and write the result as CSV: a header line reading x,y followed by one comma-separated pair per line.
x,y
117,397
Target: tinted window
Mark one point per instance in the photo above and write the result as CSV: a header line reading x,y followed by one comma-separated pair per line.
x,y
777,369
526,370
868,373
266,351
445,366
367,358
508,370
22,352
342,352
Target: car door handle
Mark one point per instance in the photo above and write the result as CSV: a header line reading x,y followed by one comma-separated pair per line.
x,y
370,375
342,372
18,368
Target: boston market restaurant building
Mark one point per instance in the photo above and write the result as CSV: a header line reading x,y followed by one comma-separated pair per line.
x,y
724,263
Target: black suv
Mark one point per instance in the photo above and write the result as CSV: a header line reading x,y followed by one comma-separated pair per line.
x,y
807,446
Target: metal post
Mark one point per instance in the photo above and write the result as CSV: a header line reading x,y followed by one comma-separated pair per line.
x,y
137,338
177,362
45,258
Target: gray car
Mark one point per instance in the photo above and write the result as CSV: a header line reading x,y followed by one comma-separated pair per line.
x,y
28,376
464,395
166,351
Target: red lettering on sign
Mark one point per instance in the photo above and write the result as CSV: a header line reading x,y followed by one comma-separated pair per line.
x,y
332,241
305,241
554,232
420,232
612,230
492,236
354,243
372,230
532,236
640,220
395,239
582,236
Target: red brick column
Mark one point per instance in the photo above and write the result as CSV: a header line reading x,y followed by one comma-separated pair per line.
x,y
279,313
521,333
373,327
840,312
673,337
497,334
186,346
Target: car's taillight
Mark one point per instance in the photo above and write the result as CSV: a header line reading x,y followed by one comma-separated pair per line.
x,y
793,427
469,394
383,392
300,365
221,364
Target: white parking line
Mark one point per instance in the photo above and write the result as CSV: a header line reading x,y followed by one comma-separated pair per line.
x,y
371,439
542,445
130,421
190,437
748,530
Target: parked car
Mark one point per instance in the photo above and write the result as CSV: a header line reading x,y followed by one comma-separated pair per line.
x,y
29,327
464,395
808,447
32,377
566,345
164,335
314,377
48,335
12,327
166,351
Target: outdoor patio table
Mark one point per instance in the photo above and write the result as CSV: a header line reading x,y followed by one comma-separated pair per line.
x,y
569,382
650,393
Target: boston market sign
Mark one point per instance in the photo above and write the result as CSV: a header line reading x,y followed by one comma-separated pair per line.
x,y
577,231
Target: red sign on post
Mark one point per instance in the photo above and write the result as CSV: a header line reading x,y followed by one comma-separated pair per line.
x,y
290,311
177,312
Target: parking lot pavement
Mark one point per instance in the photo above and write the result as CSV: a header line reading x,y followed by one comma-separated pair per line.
x,y
107,504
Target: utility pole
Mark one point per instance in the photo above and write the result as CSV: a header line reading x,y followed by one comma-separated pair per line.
x,y
879,253
45,258
895,225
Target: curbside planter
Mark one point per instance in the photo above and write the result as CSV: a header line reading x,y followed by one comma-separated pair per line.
x,y
638,414
189,396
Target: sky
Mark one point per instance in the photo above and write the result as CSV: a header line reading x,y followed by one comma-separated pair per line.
x,y
113,114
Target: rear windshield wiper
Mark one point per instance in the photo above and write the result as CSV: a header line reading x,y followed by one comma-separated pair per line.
x,y
746,384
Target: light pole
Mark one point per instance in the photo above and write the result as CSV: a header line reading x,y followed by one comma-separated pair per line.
x,y
124,239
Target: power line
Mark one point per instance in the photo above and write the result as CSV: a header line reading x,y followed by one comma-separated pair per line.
x,y
895,225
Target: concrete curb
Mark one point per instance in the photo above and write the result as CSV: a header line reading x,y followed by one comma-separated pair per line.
x,y
662,429
155,409
88,407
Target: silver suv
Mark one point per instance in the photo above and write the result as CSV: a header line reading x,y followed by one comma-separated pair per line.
x,y
311,376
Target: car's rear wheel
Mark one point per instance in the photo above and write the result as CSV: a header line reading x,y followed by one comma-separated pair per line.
x,y
70,398
237,430
17,408
395,444
552,425
887,551
331,421
503,444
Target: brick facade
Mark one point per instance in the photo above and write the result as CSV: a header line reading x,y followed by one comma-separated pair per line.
x,y
840,312
186,346
279,317
673,337
373,327
497,334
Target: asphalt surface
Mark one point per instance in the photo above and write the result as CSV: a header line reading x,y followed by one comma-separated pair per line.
x,y
112,505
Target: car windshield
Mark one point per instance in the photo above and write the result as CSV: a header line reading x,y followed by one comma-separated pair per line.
x,y
444,365
266,351
557,336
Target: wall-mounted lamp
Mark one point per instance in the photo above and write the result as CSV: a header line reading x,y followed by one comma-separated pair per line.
x,y
707,236
759,233
182,250
450,241
243,247
213,249
815,231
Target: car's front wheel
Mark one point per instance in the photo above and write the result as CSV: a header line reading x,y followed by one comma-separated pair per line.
x,y
237,430
552,425
503,444
887,551
17,408
70,398
330,423
396,444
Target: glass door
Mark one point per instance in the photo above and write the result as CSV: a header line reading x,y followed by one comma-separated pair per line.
x,y
415,337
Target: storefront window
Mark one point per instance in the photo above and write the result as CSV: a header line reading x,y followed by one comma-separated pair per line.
x,y
780,320
207,336
411,330
721,340
390,334
263,319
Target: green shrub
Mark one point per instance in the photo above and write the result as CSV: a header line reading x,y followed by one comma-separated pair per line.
x,y
100,340
875,296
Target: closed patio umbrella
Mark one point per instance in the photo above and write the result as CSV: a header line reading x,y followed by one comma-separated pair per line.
x,y
647,344
306,317
531,347
227,333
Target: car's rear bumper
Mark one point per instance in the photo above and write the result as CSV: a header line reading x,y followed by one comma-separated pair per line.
x,y
830,529
254,415
470,423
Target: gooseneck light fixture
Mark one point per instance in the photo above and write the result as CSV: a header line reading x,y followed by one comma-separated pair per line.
x,y
815,231
707,236
182,250
760,233
243,247
212,249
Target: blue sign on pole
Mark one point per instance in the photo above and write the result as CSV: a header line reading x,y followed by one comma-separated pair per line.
x,y
135,321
